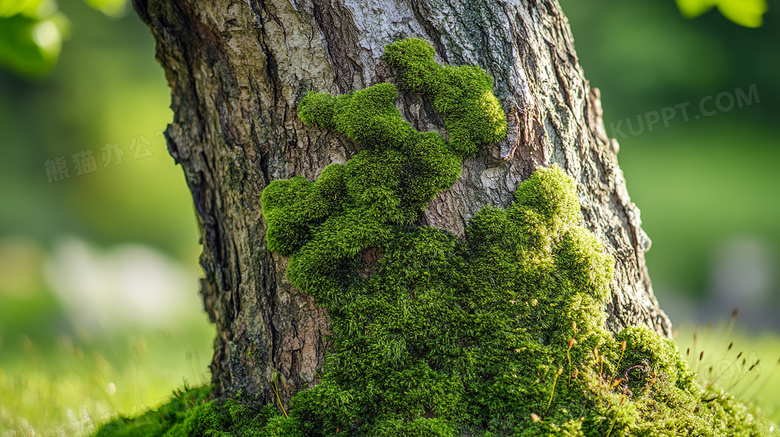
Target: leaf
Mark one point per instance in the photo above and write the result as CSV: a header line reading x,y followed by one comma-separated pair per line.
x,y
10,8
113,8
694,8
748,13
31,46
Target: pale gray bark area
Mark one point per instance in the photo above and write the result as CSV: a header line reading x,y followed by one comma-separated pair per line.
x,y
238,69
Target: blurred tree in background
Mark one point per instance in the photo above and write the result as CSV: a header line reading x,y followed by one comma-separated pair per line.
x,y
99,311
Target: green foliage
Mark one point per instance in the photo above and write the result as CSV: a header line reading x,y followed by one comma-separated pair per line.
x,y
32,31
502,333
112,8
30,36
9,8
748,13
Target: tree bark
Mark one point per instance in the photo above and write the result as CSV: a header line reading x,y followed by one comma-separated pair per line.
x,y
237,70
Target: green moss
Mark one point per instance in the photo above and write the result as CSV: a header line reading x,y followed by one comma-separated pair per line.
x,y
464,94
500,333
227,418
157,422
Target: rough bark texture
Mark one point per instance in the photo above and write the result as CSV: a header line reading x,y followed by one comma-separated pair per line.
x,y
237,70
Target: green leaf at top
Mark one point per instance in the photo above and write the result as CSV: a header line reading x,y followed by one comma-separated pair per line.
x,y
31,46
748,13
114,8
9,8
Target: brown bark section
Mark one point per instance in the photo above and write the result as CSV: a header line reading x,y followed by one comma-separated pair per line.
x,y
237,70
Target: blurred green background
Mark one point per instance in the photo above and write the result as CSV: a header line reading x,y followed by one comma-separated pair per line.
x,y
99,311
707,187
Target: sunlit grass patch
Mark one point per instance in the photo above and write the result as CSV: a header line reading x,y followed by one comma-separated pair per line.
x,y
742,363
72,386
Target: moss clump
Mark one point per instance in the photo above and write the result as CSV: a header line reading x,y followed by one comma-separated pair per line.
x,y
229,417
157,422
502,333
464,94
189,415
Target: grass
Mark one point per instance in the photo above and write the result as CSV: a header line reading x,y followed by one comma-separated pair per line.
x,y
69,386
724,357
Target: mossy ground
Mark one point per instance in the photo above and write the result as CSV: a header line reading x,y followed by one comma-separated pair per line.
x,y
502,333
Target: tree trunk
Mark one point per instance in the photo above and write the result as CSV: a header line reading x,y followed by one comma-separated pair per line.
x,y
237,71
